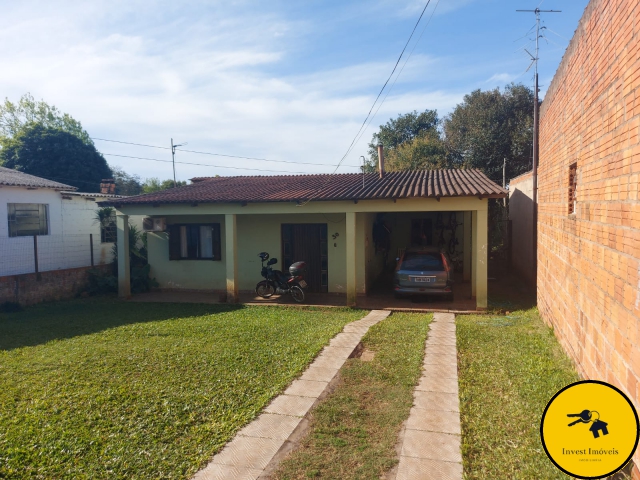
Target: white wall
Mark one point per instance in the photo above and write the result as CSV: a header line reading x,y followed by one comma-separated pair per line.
x,y
67,245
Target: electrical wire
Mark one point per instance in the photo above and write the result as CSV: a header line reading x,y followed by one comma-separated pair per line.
x,y
220,154
364,123
401,70
383,87
201,164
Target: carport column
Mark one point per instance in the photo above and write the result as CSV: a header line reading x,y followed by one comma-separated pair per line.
x,y
231,257
466,247
480,251
351,258
124,271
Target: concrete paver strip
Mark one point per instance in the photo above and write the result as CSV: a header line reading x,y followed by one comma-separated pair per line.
x,y
430,440
259,445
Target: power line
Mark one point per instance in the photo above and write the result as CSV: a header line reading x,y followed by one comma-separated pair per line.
x,y
364,123
201,164
221,154
401,70
383,87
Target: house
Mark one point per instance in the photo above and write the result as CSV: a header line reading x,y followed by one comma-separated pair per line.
x,y
48,227
347,227
588,241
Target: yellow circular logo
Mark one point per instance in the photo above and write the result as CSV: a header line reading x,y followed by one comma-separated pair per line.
x,y
589,429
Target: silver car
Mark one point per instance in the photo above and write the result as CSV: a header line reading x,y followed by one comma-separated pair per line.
x,y
423,271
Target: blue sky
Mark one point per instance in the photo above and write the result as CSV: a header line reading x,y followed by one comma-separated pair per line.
x,y
278,80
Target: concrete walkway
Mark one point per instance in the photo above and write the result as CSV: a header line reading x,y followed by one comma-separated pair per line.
x,y
431,437
257,448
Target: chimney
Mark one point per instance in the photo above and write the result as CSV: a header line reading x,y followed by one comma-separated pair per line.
x,y
108,186
381,159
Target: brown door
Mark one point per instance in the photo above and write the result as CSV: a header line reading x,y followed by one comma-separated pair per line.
x,y
307,242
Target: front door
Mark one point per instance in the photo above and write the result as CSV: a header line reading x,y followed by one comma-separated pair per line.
x,y
307,242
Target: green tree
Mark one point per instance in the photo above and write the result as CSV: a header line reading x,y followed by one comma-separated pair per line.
x,y
488,127
14,117
126,184
400,130
55,154
154,184
425,151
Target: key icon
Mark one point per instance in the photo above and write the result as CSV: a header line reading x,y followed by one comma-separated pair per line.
x,y
584,417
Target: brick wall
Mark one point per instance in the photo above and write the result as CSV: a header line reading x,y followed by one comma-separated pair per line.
x,y
521,216
26,289
589,262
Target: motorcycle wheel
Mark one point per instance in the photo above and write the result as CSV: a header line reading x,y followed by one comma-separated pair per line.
x,y
297,293
264,289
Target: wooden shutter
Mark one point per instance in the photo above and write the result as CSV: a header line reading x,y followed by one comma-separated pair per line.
x,y
174,242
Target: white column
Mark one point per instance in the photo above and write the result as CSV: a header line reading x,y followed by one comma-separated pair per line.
x,y
124,271
231,257
351,258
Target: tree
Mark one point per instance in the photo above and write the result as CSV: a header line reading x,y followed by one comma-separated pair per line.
x,y
126,184
398,131
55,154
488,127
14,117
426,151
154,184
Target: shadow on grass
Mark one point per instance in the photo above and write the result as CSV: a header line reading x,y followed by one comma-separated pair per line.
x,y
43,323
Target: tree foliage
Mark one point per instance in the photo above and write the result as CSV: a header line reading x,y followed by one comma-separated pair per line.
x,y
154,184
488,127
126,184
405,128
425,151
14,117
55,154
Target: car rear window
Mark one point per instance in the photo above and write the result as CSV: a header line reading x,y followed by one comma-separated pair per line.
x,y
422,261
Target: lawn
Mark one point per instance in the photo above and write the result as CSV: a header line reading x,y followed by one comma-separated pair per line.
x,y
99,388
509,368
353,432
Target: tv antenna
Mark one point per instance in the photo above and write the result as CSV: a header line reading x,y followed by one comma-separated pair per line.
x,y
536,128
173,159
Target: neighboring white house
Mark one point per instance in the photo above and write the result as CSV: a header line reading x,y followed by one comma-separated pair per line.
x,y
63,220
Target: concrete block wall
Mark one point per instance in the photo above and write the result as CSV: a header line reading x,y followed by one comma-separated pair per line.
x,y
27,289
589,262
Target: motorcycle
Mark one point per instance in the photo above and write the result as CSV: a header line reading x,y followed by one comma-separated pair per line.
x,y
276,282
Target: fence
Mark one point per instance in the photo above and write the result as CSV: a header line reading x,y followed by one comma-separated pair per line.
x,y
45,253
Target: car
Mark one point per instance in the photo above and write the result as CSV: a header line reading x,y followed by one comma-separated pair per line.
x,y
423,271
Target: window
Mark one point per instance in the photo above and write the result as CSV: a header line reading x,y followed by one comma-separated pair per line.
x,y
194,242
108,231
26,219
573,186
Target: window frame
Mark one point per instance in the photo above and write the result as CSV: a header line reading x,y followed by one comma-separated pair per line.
x,y
105,229
43,223
176,247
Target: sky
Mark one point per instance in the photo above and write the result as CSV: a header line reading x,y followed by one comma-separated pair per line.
x,y
286,83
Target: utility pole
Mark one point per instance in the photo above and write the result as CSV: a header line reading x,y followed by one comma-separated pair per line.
x,y
173,160
504,178
536,125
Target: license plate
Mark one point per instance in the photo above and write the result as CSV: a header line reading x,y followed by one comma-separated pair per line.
x,y
302,283
423,279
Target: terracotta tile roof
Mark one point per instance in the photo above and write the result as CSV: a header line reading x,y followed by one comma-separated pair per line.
x,y
15,178
323,187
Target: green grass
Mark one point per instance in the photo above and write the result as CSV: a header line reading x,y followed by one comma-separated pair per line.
x,y
99,388
509,368
353,433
